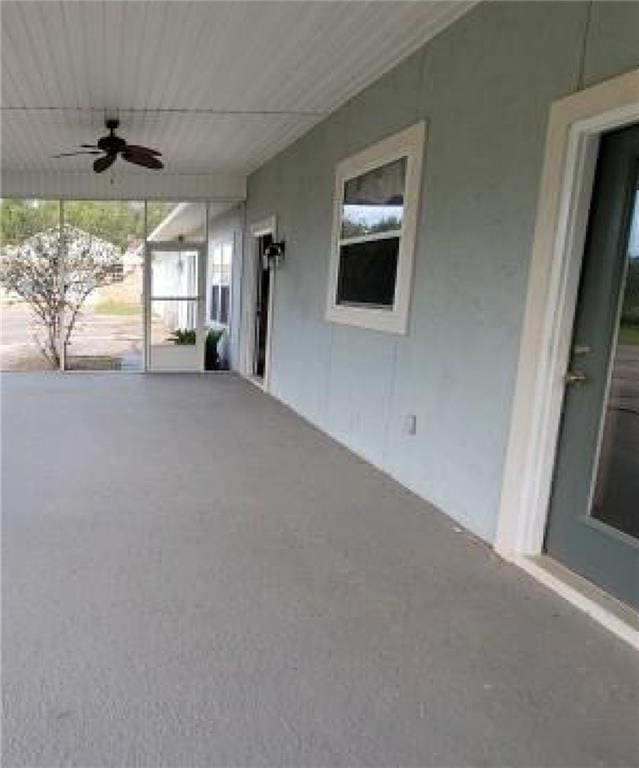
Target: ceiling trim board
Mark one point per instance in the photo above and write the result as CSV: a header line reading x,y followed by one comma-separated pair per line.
x,y
133,186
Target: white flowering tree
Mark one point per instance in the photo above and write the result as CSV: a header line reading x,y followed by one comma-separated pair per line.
x,y
54,272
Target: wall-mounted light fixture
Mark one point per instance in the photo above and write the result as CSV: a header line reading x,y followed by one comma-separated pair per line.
x,y
274,253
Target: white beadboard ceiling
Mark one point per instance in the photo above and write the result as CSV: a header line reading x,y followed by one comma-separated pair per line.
x,y
218,87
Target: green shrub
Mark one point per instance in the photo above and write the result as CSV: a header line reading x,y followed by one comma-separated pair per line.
x,y
183,336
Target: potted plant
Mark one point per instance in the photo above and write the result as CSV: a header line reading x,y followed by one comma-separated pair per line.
x,y
211,355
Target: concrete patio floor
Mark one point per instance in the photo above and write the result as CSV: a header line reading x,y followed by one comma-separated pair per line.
x,y
193,576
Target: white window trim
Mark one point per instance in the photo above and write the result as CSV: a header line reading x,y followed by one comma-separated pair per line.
x,y
408,143
574,128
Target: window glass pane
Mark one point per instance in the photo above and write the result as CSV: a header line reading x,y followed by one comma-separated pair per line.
x,y
174,273
224,304
221,263
616,493
169,221
215,304
367,273
374,201
227,258
216,274
173,322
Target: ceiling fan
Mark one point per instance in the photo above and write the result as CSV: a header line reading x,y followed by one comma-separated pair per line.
x,y
110,146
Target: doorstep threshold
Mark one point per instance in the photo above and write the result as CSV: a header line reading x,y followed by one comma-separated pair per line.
x,y
615,616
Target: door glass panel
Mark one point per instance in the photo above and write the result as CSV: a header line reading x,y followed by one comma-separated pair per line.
x,y
174,273
173,322
616,493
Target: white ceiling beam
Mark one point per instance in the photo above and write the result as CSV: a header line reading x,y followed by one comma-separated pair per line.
x,y
131,186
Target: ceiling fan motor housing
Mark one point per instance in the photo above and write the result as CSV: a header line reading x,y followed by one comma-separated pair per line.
x,y
111,144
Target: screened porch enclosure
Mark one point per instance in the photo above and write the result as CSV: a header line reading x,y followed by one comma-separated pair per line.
x,y
108,285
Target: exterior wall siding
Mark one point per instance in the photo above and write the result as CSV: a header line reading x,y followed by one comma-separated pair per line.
x,y
484,87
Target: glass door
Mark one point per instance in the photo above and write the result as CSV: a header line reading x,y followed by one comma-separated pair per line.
x,y
175,306
593,525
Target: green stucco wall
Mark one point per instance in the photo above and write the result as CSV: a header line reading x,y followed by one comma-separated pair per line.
x,y
484,87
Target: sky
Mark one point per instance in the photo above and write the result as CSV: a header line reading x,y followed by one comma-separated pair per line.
x,y
372,214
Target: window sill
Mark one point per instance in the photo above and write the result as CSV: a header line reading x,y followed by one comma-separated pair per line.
x,y
373,319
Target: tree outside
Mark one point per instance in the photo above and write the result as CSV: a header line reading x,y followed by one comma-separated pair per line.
x,y
113,220
54,272
20,219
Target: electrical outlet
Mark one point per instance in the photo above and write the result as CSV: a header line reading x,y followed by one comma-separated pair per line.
x,y
410,424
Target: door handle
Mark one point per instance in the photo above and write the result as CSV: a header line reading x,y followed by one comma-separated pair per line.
x,y
575,377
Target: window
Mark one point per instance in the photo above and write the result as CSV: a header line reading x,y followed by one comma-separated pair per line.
x,y
220,283
375,215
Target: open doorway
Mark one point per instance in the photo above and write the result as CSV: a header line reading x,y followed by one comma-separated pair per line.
x,y
259,279
262,307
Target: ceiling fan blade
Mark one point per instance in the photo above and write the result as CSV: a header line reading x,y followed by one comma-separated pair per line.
x,y
81,152
148,161
102,163
90,146
142,150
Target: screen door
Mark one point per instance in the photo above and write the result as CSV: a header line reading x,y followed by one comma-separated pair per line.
x,y
175,307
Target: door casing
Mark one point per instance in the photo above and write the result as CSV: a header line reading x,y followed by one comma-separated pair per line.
x,y
266,226
575,125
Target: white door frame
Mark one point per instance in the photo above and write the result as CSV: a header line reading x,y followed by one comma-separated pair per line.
x,y
186,365
575,125
266,226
